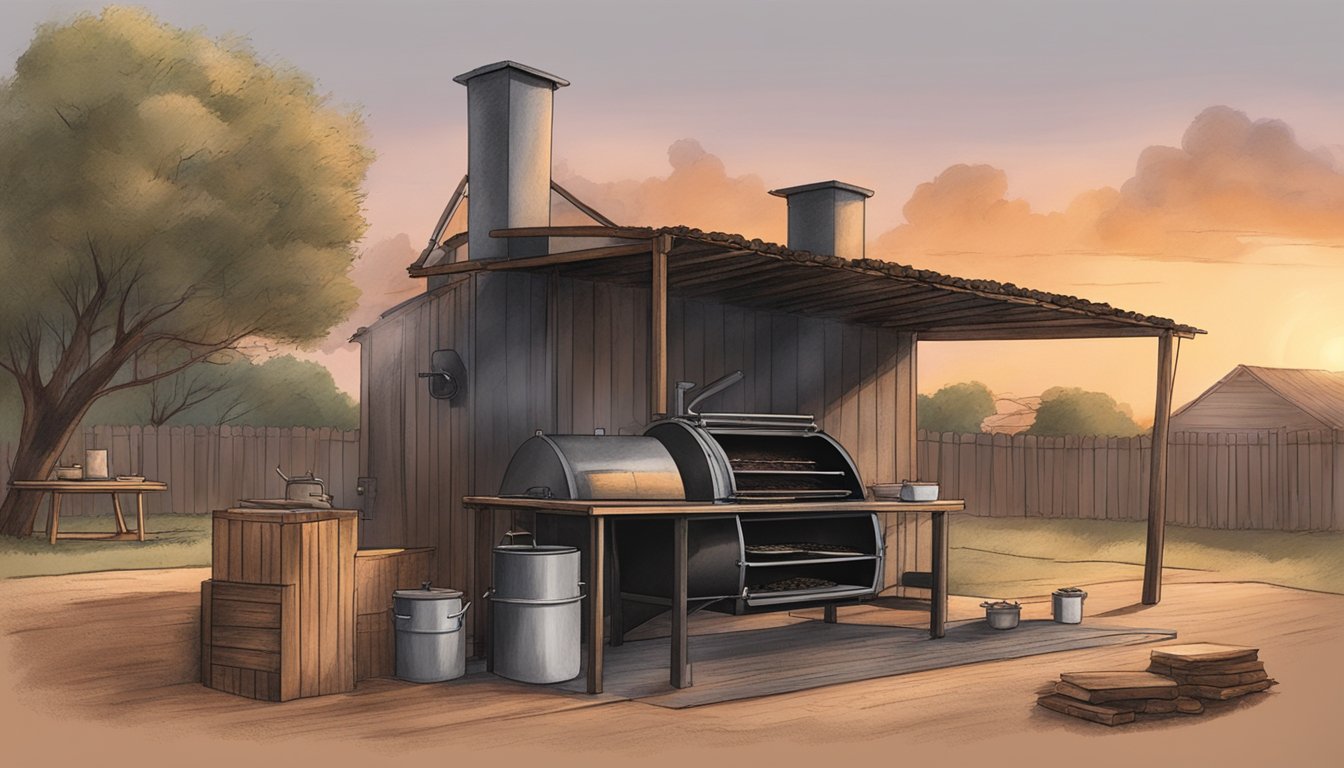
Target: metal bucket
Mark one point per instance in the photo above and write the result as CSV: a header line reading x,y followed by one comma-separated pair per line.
x,y
431,646
536,612
1066,604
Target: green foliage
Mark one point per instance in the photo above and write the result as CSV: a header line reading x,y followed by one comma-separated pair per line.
x,y
1073,411
955,408
164,195
279,392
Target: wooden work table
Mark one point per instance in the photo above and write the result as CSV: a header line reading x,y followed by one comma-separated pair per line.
x,y
681,513
111,487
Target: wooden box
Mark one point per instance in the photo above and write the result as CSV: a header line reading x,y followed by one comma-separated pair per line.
x,y
378,573
278,618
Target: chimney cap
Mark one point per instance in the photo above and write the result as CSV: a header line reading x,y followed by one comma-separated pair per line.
x,y
832,184
556,82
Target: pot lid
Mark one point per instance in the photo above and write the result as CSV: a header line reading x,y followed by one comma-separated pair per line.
x,y
428,593
999,604
540,549
1069,592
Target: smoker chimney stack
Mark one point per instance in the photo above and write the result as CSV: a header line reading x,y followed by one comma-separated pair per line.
x,y
826,218
508,156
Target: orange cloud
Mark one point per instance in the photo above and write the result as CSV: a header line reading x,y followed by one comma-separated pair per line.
x,y
1230,179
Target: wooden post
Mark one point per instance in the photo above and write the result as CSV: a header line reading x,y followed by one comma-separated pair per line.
x,y
1157,477
938,595
597,546
658,325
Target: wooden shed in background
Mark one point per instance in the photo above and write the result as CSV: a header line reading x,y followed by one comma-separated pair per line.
x,y
1254,398
571,329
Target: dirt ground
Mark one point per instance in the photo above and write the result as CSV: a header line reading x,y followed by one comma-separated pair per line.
x,y
101,668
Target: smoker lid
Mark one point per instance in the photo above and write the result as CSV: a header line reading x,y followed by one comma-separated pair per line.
x,y
604,467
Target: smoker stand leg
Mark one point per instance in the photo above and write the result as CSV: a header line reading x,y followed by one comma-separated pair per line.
x,y
681,661
614,589
484,637
938,596
596,601
828,613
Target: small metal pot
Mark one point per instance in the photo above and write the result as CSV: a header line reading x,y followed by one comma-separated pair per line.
x,y
1002,614
431,646
1066,605
306,488
913,490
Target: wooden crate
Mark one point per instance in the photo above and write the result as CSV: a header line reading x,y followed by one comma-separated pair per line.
x,y
299,565
250,640
379,572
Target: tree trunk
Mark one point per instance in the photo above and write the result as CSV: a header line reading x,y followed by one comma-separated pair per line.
x,y
38,452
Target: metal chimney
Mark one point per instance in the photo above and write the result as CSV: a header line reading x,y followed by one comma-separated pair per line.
x,y
508,156
826,217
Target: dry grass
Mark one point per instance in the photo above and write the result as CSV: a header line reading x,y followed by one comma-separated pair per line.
x,y
1018,557
174,541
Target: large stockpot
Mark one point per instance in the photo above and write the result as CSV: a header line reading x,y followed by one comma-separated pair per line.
x,y
536,612
431,646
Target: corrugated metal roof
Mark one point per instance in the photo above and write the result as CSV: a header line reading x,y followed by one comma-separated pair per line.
x,y
1319,393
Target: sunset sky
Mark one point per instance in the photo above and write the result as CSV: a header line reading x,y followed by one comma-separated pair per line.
x,y
1058,112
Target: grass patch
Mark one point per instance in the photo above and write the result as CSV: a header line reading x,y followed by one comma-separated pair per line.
x,y
1016,557
174,541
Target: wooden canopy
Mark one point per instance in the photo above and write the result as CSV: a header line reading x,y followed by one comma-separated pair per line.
x,y
733,270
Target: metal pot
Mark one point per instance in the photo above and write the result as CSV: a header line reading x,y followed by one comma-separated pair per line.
x,y
1066,605
536,612
307,488
1002,614
70,473
431,646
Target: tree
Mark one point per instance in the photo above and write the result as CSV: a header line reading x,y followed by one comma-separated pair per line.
x,y
164,197
955,408
1073,411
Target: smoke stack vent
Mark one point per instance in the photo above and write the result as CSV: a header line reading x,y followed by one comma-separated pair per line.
x,y
508,156
826,218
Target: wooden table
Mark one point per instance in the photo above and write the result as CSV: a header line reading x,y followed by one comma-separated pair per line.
x,y
57,488
597,513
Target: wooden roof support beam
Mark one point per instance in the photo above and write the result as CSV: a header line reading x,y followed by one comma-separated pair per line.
x,y
658,325
1035,331
1157,476
535,262
619,233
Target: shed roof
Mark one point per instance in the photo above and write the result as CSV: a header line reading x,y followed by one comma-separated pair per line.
x,y
1318,393
734,270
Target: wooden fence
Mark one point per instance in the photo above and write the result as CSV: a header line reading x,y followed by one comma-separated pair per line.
x,y
1288,481
209,468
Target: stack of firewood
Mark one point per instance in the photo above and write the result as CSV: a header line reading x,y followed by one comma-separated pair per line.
x,y
1212,671
1178,677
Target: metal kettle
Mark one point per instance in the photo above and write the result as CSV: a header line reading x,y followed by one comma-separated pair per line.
x,y
306,488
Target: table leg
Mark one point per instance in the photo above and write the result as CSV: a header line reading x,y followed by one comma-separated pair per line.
x,y
681,661
829,614
54,517
596,602
116,507
140,515
938,596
